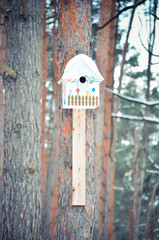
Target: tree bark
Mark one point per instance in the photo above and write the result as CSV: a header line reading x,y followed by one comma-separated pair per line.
x,y
74,222
142,154
2,61
44,65
138,186
104,57
56,140
149,213
49,218
22,130
136,150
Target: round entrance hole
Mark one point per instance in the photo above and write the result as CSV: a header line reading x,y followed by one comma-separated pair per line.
x,y
82,79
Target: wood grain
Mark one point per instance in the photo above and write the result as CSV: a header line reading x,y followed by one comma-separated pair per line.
x,y
78,162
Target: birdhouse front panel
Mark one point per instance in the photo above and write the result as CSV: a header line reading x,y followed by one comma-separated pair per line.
x,y
81,84
80,95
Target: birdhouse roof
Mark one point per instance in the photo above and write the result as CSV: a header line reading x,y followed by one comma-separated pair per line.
x,y
81,65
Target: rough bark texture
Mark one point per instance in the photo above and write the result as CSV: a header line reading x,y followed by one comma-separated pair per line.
x,y
136,150
74,222
50,202
56,140
22,130
150,215
142,155
104,56
2,61
44,65
138,185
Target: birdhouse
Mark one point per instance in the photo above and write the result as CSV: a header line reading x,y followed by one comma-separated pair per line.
x,y
81,83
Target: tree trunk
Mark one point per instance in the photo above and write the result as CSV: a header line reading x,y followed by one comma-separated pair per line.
x,y
2,61
75,222
136,150
22,130
56,140
104,56
49,217
142,154
44,65
138,186
149,213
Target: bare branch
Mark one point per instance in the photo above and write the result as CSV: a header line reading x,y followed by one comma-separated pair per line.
x,y
155,63
136,118
155,55
135,100
152,161
152,171
8,70
25,10
154,16
120,12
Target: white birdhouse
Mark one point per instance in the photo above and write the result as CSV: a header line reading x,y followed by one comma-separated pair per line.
x,y
81,83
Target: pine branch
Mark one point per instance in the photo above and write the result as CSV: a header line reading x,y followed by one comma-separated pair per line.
x,y
135,100
25,10
8,70
136,118
120,12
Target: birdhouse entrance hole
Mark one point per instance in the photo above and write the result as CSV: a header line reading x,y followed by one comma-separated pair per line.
x,y
82,79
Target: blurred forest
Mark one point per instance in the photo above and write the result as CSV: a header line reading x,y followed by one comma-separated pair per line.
x,y
122,135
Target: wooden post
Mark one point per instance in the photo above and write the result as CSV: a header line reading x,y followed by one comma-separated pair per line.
x,y
78,157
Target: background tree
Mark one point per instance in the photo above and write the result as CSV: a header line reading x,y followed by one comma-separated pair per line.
x,y
2,61
22,129
104,58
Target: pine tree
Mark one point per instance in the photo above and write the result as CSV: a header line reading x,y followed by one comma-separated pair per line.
x,y
74,222
22,130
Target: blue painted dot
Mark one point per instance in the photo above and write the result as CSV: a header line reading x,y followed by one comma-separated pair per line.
x,y
93,89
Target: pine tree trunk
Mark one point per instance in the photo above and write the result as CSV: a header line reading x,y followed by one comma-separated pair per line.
x,y
149,213
104,56
142,154
49,218
22,130
44,65
136,150
138,186
2,61
75,222
56,140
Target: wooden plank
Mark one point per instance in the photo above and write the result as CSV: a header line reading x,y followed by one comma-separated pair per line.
x,y
93,101
68,100
97,101
89,100
78,157
72,100
82,100
86,100
75,100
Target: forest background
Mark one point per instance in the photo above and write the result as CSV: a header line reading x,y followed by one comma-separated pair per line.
x,y
122,135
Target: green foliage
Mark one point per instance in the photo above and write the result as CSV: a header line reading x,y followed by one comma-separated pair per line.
x,y
136,75
133,60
